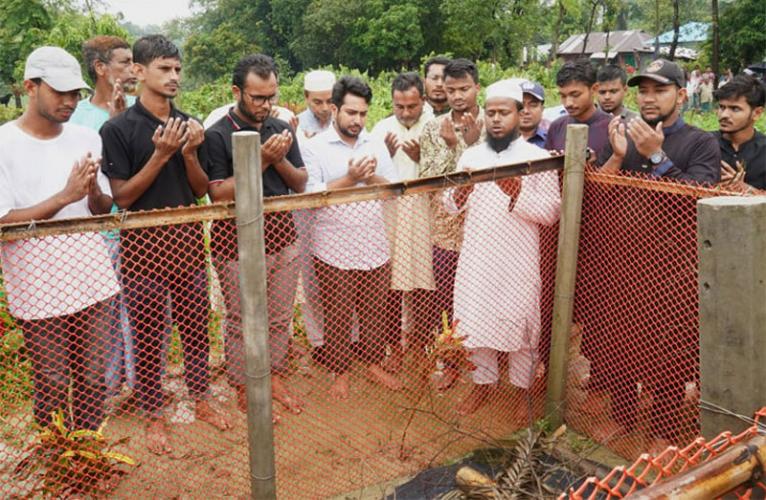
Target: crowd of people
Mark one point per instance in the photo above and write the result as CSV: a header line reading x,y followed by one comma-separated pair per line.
x,y
97,322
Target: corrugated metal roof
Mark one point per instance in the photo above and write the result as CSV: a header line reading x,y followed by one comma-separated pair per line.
x,y
619,41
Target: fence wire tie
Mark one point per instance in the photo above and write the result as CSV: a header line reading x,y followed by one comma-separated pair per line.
x,y
259,376
123,216
32,226
262,478
249,222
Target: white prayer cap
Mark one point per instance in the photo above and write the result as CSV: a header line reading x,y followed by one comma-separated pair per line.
x,y
318,81
509,88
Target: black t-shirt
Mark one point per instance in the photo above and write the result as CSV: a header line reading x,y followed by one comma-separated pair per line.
x,y
128,145
598,131
751,154
279,229
694,155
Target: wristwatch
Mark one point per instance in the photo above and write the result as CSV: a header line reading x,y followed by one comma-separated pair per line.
x,y
658,158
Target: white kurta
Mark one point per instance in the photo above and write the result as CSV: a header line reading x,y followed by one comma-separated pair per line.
x,y
497,286
409,228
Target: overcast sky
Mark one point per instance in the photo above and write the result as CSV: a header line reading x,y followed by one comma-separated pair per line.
x,y
144,12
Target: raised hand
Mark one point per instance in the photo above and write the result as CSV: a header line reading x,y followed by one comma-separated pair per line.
x,y
276,148
471,128
648,140
617,138
412,149
358,168
117,102
169,137
195,136
447,132
392,143
80,180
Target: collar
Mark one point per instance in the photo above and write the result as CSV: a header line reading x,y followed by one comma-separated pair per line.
x,y
334,137
238,124
678,125
140,108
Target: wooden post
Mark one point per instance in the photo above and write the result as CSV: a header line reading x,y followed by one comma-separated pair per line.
x,y
252,286
731,238
566,270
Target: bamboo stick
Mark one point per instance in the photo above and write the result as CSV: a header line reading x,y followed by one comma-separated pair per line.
x,y
566,270
252,287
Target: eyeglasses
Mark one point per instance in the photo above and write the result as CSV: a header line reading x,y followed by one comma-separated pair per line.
x,y
259,100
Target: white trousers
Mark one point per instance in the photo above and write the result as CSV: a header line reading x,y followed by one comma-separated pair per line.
x,y
521,366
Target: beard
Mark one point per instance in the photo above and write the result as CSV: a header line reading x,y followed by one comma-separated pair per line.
x,y
248,115
499,144
347,132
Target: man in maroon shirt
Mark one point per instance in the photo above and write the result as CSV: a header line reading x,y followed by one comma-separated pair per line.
x,y
576,82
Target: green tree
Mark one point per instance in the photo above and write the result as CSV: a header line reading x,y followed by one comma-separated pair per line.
x,y
23,26
742,34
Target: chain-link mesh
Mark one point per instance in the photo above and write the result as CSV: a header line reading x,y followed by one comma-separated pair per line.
x,y
650,469
389,353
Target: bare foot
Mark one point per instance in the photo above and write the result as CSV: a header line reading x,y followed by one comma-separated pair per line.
x,y
393,362
339,388
377,374
476,399
280,393
212,416
242,404
157,437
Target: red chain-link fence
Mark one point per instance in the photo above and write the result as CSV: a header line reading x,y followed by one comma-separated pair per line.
x,y
672,462
123,360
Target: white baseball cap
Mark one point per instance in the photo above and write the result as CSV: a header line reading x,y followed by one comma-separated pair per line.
x,y
318,81
56,67
510,88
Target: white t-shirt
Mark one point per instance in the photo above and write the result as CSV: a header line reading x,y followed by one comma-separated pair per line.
x,y
54,275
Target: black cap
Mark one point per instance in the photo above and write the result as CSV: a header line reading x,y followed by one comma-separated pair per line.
x,y
662,71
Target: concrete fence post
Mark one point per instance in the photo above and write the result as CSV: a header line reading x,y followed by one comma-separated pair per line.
x,y
731,238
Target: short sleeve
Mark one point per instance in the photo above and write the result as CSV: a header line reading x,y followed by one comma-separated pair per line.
x,y
294,154
6,191
316,181
115,162
217,164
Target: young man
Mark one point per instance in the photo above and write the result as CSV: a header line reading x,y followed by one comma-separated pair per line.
x,y
152,158
59,287
660,143
499,304
611,89
254,82
740,104
442,142
576,82
349,246
436,97
317,117
412,276
531,124
109,62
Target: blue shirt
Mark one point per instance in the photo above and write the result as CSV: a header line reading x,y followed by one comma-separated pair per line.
x,y
89,115
539,137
